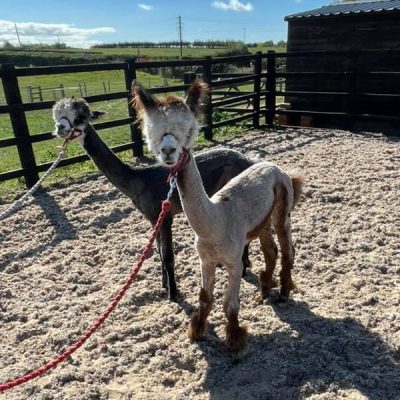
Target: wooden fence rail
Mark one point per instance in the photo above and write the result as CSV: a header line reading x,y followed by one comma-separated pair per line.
x,y
257,104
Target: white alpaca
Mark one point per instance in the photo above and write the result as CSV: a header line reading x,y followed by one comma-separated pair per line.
x,y
238,213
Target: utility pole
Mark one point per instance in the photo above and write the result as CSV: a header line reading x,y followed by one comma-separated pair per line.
x,y
244,35
180,33
16,30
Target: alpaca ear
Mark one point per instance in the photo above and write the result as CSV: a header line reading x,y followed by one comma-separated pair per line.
x,y
141,99
96,115
197,96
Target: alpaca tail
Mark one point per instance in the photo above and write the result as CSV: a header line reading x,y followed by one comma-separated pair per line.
x,y
297,184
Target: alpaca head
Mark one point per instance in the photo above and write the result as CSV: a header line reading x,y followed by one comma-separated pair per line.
x,y
72,115
170,125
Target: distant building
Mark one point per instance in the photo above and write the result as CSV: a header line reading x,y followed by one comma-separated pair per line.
x,y
352,27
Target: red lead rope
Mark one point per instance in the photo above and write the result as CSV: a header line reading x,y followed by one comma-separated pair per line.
x,y
165,207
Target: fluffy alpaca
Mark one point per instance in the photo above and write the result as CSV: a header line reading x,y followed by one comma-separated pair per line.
x,y
244,209
146,186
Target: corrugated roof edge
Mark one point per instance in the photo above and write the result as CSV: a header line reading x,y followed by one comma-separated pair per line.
x,y
348,9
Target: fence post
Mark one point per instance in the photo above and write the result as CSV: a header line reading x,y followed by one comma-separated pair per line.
x,y
189,77
270,100
19,124
136,134
257,89
29,91
208,109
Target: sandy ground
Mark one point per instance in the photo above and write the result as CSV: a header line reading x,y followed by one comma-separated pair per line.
x,y
65,255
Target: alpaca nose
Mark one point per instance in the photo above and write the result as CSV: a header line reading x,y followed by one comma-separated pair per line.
x,y
168,150
61,129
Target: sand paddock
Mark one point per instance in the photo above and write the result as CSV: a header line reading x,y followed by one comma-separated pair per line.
x,y
65,255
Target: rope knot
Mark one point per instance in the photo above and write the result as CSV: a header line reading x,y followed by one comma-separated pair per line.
x,y
183,159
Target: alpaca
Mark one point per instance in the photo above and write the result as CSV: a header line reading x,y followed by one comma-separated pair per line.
x,y
241,211
146,186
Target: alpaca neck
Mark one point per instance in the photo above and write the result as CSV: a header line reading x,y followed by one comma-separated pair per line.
x,y
200,211
117,172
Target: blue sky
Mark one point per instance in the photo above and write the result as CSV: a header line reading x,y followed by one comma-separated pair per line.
x,y
81,23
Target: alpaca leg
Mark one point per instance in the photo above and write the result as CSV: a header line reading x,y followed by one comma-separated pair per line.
x,y
245,260
167,256
236,336
198,321
270,252
283,230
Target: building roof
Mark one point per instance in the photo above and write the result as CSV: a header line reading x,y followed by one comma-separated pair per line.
x,y
354,7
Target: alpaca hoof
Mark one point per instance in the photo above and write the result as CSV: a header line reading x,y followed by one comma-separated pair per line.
x,y
164,283
173,295
286,289
236,340
266,284
197,327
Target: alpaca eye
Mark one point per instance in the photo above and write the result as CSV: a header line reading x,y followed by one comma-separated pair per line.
x,y
79,120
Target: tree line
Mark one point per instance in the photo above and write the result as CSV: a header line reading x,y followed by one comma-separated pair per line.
x,y
197,44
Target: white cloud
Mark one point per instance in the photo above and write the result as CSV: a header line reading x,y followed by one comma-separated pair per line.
x,y
34,32
234,5
146,7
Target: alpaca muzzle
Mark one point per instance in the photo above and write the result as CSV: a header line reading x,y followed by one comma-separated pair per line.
x,y
69,132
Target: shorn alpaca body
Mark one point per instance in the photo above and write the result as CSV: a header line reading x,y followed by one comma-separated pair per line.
x,y
245,208
146,186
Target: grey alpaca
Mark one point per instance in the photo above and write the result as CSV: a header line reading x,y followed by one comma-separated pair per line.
x,y
146,186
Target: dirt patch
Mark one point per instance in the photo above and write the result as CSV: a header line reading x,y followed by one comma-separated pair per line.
x,y
64,256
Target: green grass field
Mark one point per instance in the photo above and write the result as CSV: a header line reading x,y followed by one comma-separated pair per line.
x,y
154,53
74,84
41,121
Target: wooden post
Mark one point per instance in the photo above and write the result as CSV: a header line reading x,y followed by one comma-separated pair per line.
x,y
62,90
19,124
270,100
189,77
208,109
257,89
40,93
136,134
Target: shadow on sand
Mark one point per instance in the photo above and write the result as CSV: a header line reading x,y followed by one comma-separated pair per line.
x,y
310,355
63,229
